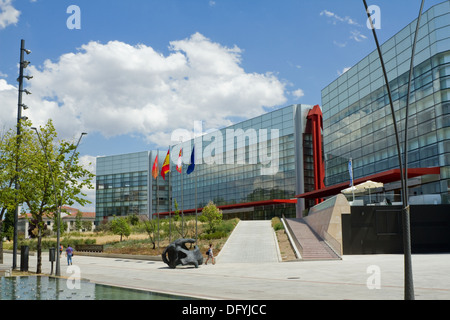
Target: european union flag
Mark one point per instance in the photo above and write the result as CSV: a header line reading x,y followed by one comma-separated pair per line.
x,y
191,167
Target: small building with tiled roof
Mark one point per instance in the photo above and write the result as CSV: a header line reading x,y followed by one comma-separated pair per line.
x,y
68,216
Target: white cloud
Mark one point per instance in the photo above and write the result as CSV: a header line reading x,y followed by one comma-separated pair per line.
x,y
8,106
340,44
340,73
357,36
354,34
118,89
8,14
298,93
89,163
335,18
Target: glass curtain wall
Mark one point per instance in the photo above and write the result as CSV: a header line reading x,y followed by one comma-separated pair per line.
x,y
357,115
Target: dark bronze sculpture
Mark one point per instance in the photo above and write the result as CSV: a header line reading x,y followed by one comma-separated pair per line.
x,y
177,253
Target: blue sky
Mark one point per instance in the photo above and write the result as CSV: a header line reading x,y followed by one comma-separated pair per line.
x,y
139,69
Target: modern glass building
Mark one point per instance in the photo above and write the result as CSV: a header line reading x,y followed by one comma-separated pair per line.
x,y
357,116
278,164
252,169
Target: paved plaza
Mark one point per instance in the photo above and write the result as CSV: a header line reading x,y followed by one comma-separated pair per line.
x,y
362,277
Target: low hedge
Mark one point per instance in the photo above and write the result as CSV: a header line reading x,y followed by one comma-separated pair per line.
x,y
214,235
47,244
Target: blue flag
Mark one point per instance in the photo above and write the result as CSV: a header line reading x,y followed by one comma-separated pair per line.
x,y
350,170
191,167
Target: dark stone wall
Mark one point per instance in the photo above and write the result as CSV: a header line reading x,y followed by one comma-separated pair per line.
x,y
378,230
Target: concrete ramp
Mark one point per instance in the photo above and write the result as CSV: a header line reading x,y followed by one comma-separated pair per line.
x,y
250,242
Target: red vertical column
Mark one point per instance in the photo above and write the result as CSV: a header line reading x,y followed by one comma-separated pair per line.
x,y
316,118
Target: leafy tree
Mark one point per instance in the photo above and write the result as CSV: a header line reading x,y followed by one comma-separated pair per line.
x,y
212,216
87,225
133,219
151,227
12,161
121,227
8,226
78,222
63,226
44,190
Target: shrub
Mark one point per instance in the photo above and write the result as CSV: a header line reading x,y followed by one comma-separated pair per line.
x,y
277,224
212,215
214,235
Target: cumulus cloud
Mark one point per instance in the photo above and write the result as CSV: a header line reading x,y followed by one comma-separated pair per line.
x,y
89,163
8,14
116,89
298,93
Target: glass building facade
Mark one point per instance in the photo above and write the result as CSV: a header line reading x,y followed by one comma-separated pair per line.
x,y
260,159
123,186
357,115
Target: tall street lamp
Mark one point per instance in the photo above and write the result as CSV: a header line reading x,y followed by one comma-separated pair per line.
x,y
406,224
23,64
58,203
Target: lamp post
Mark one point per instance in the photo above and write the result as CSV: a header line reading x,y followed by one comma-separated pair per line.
x,y
408,281
20,106
58,262
59,204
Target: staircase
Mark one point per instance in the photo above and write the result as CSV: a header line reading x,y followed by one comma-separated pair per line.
x,y
312,246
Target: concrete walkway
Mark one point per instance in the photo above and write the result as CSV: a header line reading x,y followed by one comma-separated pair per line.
x,y
368,277
251,242
248,269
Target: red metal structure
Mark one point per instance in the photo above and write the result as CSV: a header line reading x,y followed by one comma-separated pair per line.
x,y
314,127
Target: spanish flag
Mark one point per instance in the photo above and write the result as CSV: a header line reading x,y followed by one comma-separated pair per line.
x,y
155,168
166,166
180,161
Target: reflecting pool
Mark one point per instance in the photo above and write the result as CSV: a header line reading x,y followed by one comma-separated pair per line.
x,y
49,288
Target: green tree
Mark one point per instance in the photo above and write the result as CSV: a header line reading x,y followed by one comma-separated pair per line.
x,y
121,227
44,190
212,216
151,227
78,221
87,225
12,162
62,228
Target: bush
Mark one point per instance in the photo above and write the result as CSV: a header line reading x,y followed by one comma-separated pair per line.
x,y
47,244
214,235
277,224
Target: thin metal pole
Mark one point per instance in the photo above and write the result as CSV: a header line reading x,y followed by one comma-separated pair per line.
x,y
409,288
16,184
58,219
196,207
58,234
157,193
182,200
170,205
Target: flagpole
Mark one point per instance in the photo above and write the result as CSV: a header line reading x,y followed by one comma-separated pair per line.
x,y
170,206
157,196
182,201
352,184
196,220
190,169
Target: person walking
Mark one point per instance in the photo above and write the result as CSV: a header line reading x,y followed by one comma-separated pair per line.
x,y
61,248
69,254
210,254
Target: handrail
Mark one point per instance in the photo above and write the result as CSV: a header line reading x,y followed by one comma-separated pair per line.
x,y
294,241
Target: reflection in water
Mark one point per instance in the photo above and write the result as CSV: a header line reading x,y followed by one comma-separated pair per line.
x,y
47,288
